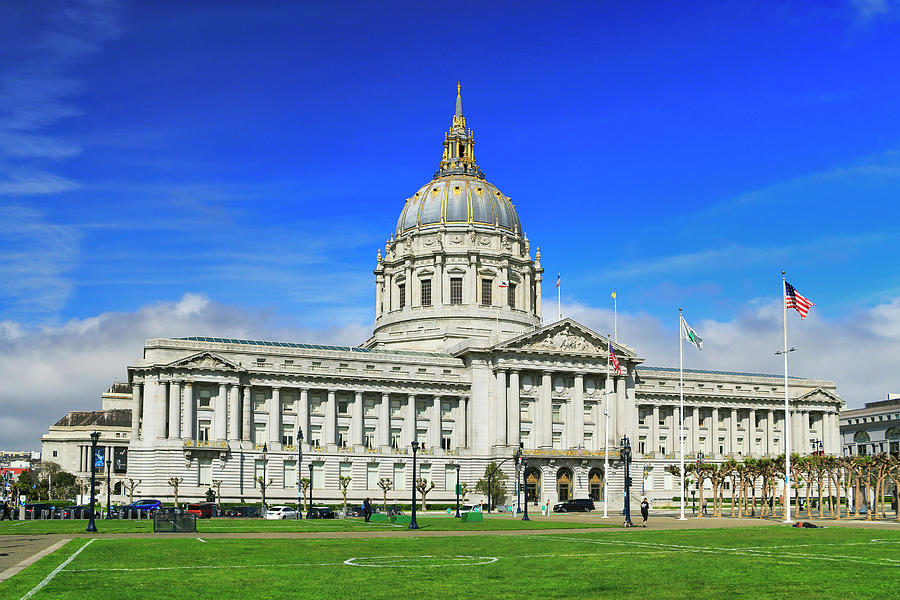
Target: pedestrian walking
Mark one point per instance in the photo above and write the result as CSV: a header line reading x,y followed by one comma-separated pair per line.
x,y
4,511
704,507
367,509
645,511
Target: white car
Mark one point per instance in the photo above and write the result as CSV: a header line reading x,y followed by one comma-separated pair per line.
x,y
281,512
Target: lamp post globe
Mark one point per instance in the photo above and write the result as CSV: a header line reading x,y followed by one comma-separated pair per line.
x,y
309,513
525,487
413,524
95,436
299,470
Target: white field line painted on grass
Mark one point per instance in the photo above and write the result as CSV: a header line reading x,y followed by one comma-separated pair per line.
x,y
201,540
886,562
189,567
400,562
53,573
33,559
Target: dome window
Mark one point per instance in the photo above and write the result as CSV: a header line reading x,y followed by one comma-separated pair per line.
x,y
457,190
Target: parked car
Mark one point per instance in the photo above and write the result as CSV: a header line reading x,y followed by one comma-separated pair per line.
x,y
147,504
204,510
39,511
577,505
73,512
320,512
464,508
242,512
281,512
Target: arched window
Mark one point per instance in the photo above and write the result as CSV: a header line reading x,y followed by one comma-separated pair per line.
x,y
893,433
595,484
564,484
533,485
860,437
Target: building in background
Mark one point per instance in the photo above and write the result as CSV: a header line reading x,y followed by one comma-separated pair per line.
x,y
461,360
872,429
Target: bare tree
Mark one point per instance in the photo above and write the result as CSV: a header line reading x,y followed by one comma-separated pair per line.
x,y
424,487
262,488
304,485
175,482
344,483
217,483
130,487
386,485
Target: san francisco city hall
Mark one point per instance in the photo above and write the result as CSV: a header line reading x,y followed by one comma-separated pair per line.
x,y
460,359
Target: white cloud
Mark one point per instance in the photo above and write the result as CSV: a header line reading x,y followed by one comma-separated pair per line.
x,y
858,351
49,371
868,10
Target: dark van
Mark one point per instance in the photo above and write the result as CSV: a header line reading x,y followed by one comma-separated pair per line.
x,y
579,505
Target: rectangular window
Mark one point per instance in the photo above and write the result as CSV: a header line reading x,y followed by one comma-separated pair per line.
x,y
259,433
511,295
588,416
421,408
395,437
525,411
343,436
369,437
257,472
424,472
396,408
422,437
662,444
456,290
446,435
205,398
343,407
316,405
557,412
344,469
369,405
399,476
557,440
318,478
524,436
449,478
203,430
205,465
259,401
446,409
315,435
371,476
290,474
487,286
642,445
401,292
426,292
589,442
287,435
288,403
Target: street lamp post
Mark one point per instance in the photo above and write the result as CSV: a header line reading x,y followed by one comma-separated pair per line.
x,y
92,528
819,445
412,521
457,491
525,487
310,511
626,457
262,483
518,460
299,470
108,471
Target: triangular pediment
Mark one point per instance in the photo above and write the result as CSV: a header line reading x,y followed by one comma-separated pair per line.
x,y
565,336
206,361
821,395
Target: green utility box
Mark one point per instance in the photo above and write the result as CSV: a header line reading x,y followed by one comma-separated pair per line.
x,y
378,518
472,517
400,519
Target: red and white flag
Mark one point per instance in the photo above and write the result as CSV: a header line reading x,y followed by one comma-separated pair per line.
x,y
558,277
793,299
614,360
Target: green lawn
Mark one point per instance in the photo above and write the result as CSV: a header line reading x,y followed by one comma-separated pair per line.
x,y
434,522
754,562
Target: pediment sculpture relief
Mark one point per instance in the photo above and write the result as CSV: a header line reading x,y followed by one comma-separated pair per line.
x,y
566,340
207,362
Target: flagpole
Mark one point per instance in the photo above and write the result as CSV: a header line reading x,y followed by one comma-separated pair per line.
x,y
681,403
559,295
616,315
606,439
787,410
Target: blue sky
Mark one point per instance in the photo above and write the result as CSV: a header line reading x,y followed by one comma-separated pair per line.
x,y
255,155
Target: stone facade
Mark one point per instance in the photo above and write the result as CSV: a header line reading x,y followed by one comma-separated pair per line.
x,y
873,429
459,360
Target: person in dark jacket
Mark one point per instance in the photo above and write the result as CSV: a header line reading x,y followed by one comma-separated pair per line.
x,y
367,509
4,511
645,511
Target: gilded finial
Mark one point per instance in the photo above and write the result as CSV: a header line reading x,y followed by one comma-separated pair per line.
x,y
458,89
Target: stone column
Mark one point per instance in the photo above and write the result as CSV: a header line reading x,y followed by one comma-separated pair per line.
x,y
513,411
609,405
175,410
621,409
463,423
383,432
804,445
247,411
275,417
546,411
379,295
162,404
219,416
437,287
577,426
388,291
434,428
499,417
303,415
537,294
695,430
410,421
714,432
187,427
526,292
654,430
731,439
751,427
770,433
356,420
137,406
329,431
234,412
471,283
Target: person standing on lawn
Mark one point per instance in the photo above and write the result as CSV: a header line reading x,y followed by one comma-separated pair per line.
x,y
367,509
645,511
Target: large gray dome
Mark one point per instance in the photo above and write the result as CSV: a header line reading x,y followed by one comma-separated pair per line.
x,y
458,201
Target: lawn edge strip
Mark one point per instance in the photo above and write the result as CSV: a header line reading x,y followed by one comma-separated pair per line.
x,y
33,559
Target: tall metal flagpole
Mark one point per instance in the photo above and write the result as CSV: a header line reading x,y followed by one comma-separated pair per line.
x,y
606,440
787,411
559,295
616,315
681,403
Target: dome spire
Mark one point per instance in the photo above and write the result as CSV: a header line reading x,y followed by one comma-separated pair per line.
x,y
459,145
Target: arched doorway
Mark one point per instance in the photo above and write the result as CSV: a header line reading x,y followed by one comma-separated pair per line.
x,y
595,484
532,485
564,481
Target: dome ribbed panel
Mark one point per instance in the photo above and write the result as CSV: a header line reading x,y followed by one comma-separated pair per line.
x,y
411,218
505,213
482,211
457,207
430,213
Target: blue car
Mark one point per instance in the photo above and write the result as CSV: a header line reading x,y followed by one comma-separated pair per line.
x,y
144,505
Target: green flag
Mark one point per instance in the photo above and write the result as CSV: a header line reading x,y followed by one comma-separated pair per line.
x,y
690,335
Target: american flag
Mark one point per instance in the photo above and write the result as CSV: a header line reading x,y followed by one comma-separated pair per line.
x,y
558,276
615,361
794,300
